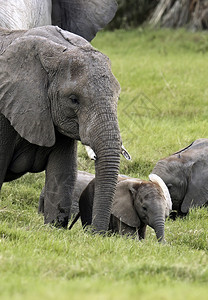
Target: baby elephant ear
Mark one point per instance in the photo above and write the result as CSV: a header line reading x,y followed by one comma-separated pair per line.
x,y
123,207
197,191
83,17
158,180
23,90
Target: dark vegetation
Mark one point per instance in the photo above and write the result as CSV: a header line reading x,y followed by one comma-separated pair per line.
x,y
192,14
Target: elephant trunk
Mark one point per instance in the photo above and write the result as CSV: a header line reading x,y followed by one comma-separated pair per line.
x,y
106,175
106,143
159,227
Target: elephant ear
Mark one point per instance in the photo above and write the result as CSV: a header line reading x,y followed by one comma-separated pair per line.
x,y
123,206
83,17
23,87
197,191
158,180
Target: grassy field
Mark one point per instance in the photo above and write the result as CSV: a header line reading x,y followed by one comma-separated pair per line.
x,y
162,108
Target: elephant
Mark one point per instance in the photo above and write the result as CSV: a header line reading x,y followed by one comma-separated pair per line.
x,y
55,89
137,203
186,175
82,180
82,17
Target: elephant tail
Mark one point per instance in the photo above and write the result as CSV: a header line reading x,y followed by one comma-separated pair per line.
x,y
74,220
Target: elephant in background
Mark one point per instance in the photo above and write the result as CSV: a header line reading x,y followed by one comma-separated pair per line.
x,y
55,88
82,17
137,203
186,175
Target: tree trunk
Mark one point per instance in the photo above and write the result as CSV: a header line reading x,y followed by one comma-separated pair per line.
x,y
180,13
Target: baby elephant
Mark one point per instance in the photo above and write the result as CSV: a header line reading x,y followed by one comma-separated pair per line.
x,y
137,203
186,175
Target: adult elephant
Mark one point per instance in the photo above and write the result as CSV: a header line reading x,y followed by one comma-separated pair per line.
x,y
55,88
137,203
186,176
82,17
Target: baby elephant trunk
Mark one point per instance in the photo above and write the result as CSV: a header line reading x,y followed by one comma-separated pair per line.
x,y
159,227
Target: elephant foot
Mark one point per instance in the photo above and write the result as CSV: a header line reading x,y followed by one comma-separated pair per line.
x,y
61,222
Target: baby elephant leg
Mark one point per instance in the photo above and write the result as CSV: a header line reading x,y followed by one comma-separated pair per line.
x,y
117,226
142,231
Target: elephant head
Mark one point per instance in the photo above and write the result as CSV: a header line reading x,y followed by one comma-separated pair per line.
x,y
138,203
82,17
185,174
53,81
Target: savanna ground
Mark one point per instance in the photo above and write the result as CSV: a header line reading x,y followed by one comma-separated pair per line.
x,y
162,108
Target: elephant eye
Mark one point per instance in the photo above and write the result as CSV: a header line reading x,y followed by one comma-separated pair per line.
x,y
74,99
169,185
144,208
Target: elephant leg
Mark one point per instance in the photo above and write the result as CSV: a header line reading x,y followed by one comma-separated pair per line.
x,y
118,226
142,231
7,144
86,204
60,181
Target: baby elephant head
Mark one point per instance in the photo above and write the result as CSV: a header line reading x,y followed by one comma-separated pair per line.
x,y
138,203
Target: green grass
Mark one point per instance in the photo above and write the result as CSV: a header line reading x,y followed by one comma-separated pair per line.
x,y
163,103
162,108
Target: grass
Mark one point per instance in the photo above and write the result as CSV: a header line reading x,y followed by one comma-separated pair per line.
x,y
162,108
163,104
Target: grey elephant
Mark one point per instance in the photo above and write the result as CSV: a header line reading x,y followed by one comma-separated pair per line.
x,y
186,176
137,203
55,88
82,17
83,179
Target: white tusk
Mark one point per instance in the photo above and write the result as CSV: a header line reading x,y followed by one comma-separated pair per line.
x,y
90,153
125,153
155,178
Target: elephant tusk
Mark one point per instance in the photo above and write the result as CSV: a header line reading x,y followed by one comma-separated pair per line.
x,y
155,178
125,153
92,154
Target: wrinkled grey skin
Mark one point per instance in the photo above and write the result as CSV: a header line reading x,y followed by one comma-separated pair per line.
x,y
55,88
137,203
83,179
82,17
186,176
